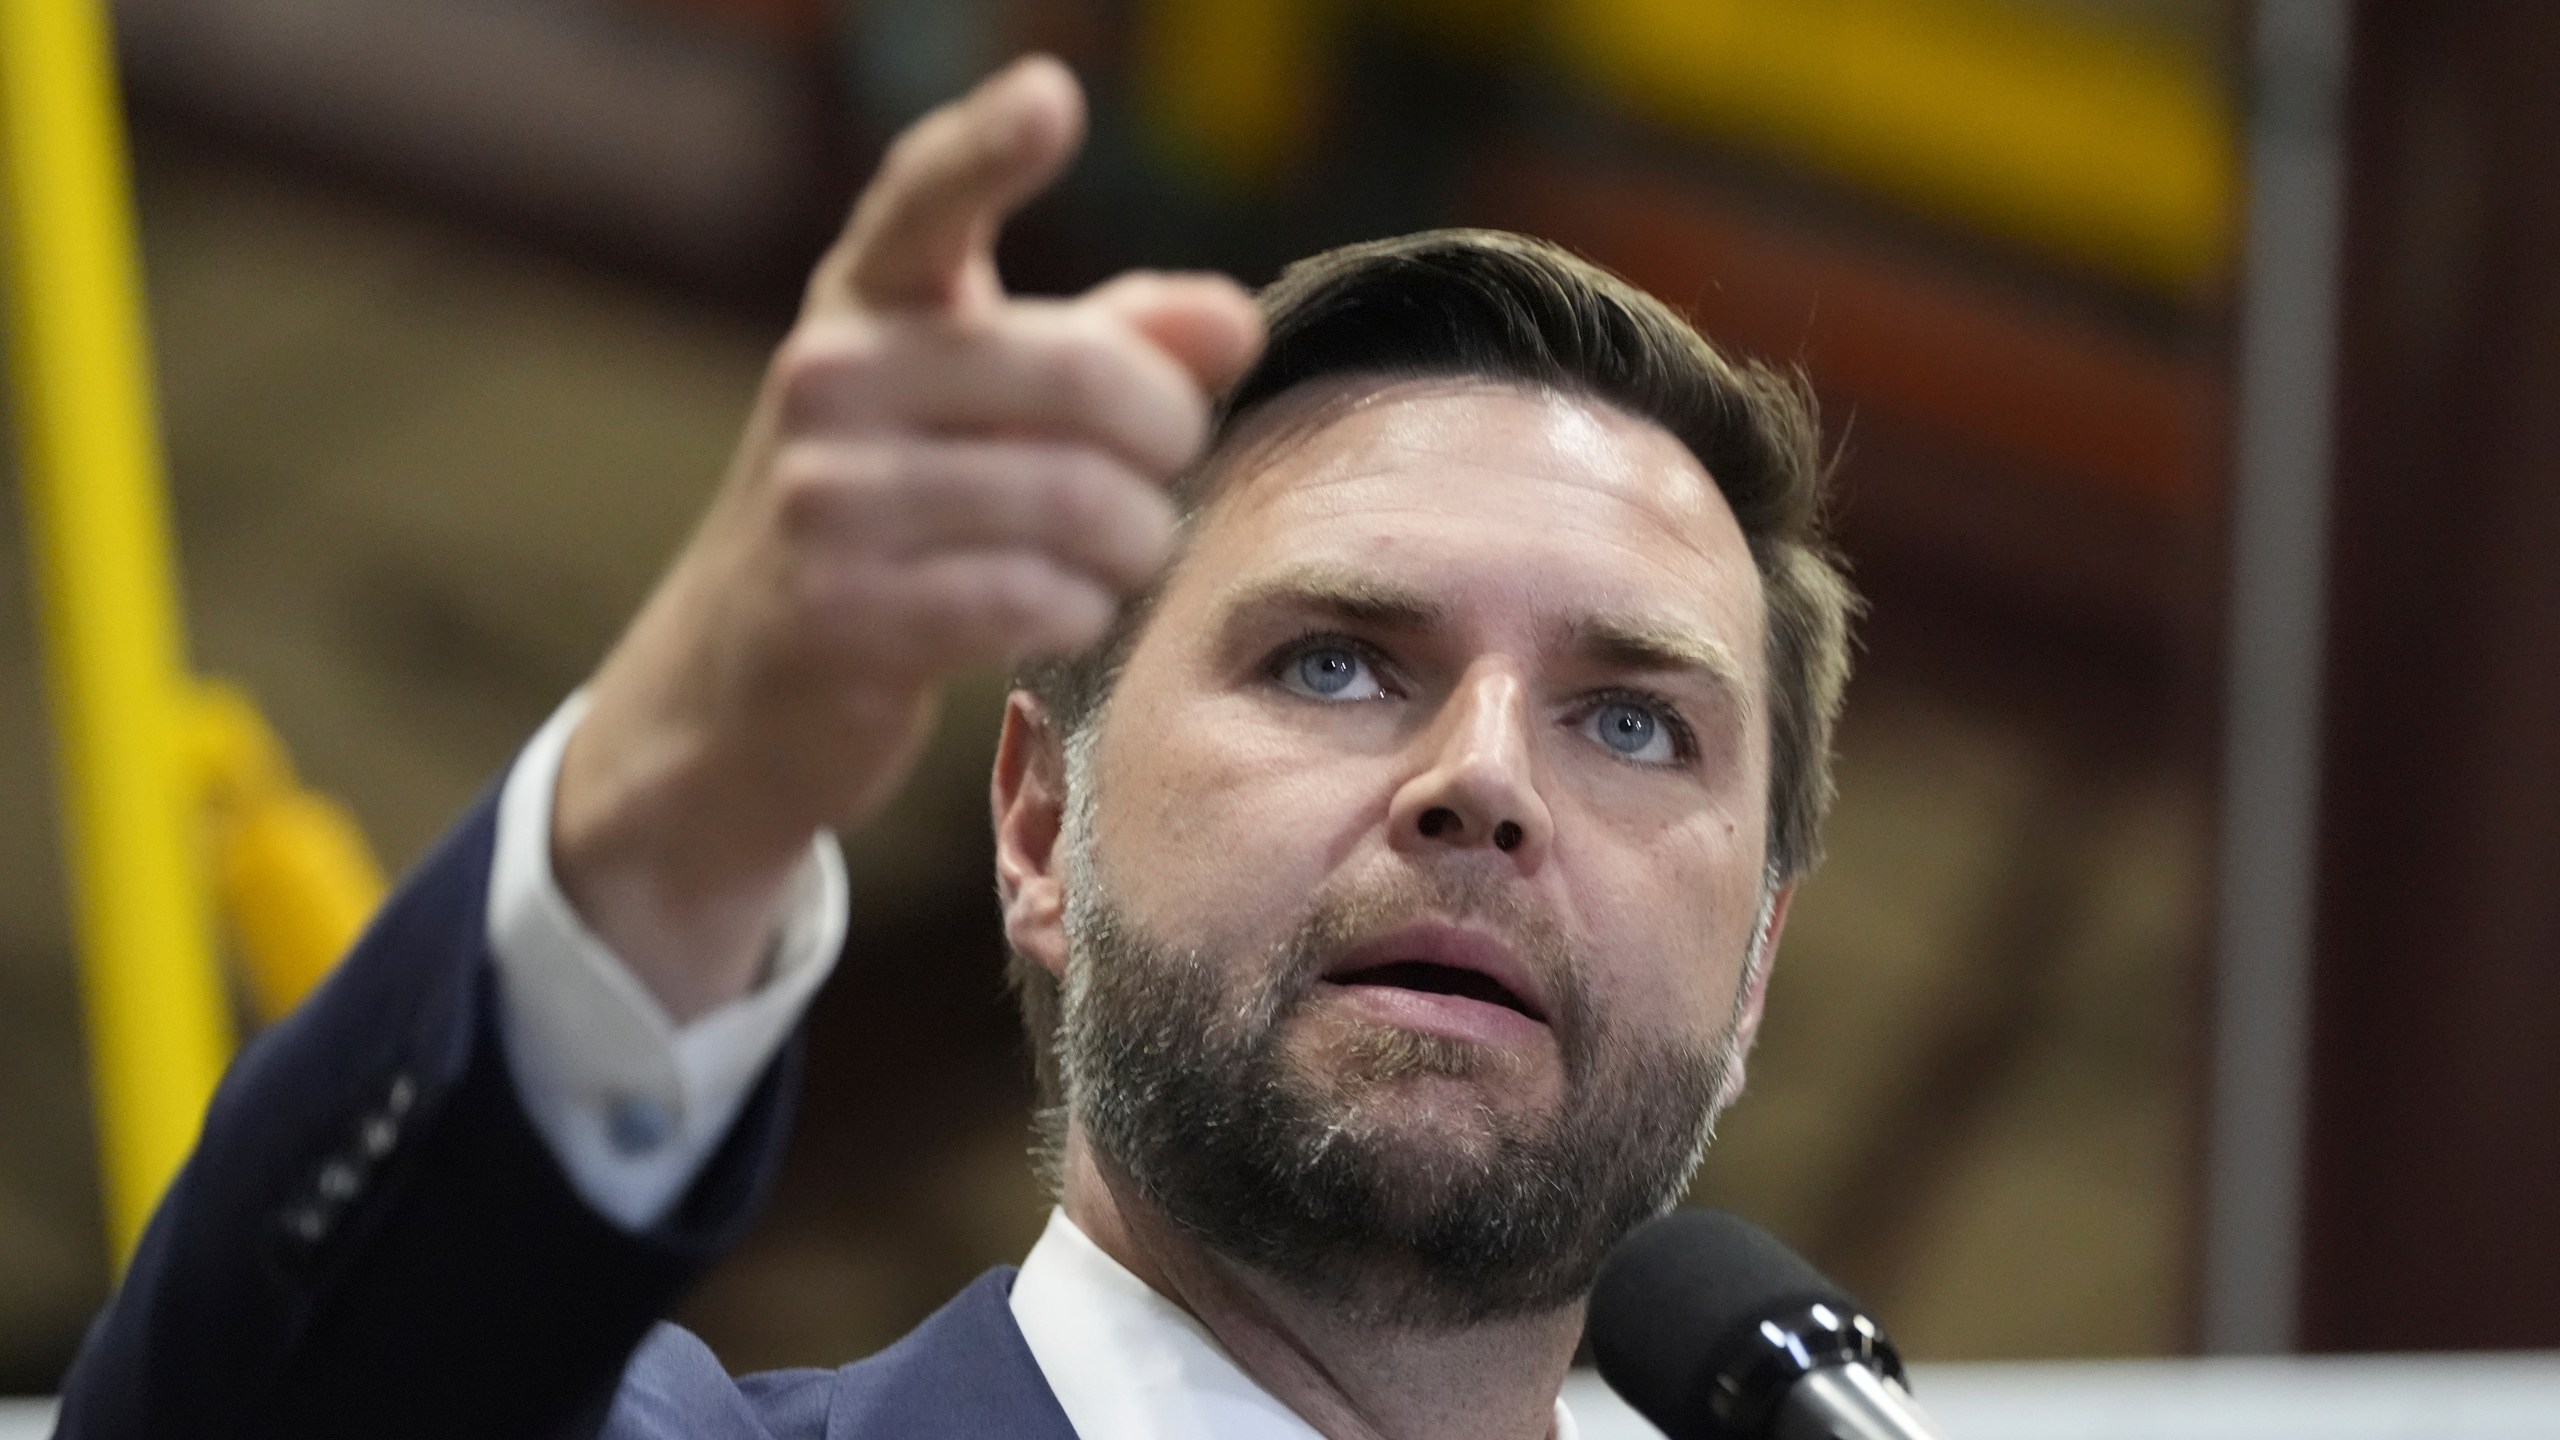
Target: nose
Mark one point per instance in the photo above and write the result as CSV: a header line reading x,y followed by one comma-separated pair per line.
x,y
1478,788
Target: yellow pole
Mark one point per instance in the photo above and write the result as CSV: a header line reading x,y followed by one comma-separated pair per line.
x,y
159,1024
2106,144
291,869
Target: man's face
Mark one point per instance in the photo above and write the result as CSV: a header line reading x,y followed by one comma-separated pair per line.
x,y
1422,847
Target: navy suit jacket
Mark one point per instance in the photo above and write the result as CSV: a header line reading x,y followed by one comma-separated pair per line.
x,y
371,1240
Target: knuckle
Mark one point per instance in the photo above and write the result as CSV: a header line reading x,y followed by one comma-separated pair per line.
x,y
1076,621
819,489
1181,424
1187,431
823,371
1154,521
1082,495
1086,374
1016,595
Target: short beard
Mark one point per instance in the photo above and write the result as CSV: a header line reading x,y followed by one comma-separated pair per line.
x,y
1182,1081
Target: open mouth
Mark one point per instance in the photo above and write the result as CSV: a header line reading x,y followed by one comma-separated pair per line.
x,y
1432,978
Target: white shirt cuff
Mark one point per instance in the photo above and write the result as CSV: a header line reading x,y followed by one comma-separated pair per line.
x,y
631,1105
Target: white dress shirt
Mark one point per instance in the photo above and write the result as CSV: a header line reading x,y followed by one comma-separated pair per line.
x,y
633,1105
1129,1364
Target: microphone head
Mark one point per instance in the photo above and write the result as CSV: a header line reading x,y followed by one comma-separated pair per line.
x,y
1702,1321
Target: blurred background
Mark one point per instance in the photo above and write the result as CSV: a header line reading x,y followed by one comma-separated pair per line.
x,y
2163,990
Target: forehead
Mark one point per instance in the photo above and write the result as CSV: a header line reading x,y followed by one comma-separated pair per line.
x,y
1559,499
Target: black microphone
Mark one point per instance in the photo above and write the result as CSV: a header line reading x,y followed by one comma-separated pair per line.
x,y
1713,1330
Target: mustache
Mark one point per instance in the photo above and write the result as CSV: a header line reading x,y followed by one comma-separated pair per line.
x,y
1343,917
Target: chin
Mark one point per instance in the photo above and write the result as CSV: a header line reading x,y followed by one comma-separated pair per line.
x,y
1428,1122
1381,1076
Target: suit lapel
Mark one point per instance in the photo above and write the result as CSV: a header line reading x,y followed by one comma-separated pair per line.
x,y
964,1374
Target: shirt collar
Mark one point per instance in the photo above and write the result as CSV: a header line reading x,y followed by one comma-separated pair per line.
x,y
1128,1364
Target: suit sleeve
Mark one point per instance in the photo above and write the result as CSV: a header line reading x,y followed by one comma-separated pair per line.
x,y
631,1103
370,1238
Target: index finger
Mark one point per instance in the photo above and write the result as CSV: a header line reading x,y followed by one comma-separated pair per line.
x,y
923,234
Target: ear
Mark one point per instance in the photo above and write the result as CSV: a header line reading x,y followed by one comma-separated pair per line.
x,y
1755,995
1028,794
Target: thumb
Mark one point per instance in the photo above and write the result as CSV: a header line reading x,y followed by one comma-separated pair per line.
x,y
1207,323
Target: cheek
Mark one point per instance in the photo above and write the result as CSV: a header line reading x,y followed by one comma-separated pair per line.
x,y
1679,907
1218,828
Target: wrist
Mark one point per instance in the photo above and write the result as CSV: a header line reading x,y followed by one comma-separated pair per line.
x,y
670,865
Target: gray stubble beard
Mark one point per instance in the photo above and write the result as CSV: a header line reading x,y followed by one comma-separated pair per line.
x,y
1190,1091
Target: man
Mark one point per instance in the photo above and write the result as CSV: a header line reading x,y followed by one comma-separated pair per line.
x,y
1393,829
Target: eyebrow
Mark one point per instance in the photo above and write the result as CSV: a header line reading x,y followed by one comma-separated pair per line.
x,y
1624,642
1617,642
1347,595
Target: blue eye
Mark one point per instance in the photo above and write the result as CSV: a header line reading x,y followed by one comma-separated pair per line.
x,y
1633,731
1329,672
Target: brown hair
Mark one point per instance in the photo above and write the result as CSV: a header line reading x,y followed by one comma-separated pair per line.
x,y
1483,303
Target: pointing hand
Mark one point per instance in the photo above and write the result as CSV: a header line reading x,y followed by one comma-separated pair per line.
x,y
936,475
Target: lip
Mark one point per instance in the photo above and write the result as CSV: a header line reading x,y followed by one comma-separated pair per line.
x,y
1453,947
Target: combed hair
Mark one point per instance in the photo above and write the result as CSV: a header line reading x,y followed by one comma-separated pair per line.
x,y
1487,304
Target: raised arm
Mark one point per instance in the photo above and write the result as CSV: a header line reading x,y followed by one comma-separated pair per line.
x,y
372,1238
936,476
